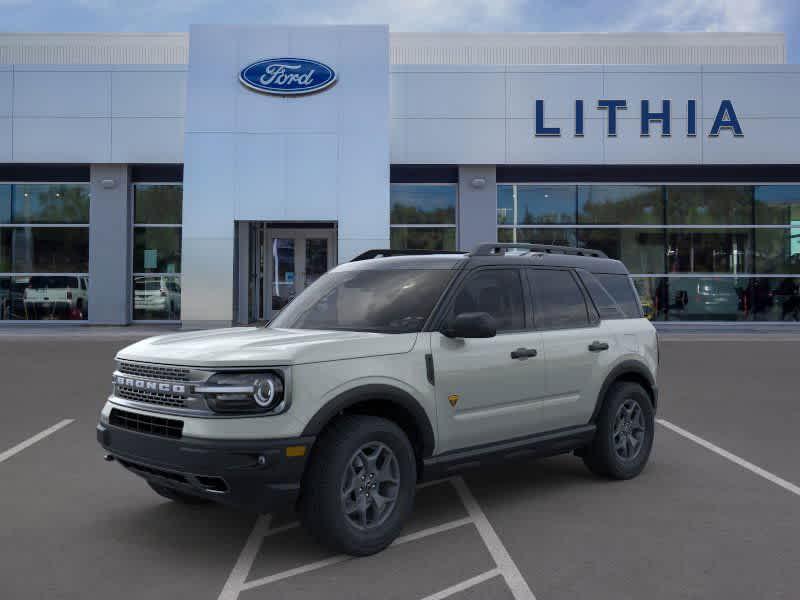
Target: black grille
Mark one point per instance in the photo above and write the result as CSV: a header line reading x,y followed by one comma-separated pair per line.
x,y
151,397
170,428
154,371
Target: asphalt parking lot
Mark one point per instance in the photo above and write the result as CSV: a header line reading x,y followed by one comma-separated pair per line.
x,y
715,515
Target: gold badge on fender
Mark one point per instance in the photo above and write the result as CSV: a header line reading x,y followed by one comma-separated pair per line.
x,y
453,399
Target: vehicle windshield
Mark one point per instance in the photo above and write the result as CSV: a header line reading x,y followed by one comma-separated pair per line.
x,y
384,301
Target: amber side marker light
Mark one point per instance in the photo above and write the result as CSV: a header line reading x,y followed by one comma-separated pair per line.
x,y
293,451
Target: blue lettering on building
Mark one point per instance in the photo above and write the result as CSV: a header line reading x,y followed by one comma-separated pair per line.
x,y
541,130
578,118
611,106
691,118
648,117
726,118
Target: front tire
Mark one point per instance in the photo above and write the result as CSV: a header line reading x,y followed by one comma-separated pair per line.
x,y
176,495
625,431
360,485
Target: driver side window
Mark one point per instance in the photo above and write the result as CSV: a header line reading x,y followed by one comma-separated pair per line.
x,y
494,291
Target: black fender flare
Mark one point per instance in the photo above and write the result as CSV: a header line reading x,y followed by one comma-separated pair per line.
x,y
626,367
400,398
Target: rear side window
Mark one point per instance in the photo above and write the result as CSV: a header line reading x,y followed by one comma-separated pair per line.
x,y
558,300
606,306
621,289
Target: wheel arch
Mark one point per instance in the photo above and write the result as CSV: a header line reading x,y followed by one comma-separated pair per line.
x,y
382,401
629,370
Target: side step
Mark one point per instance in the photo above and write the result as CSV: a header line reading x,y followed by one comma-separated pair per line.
x,y
539,446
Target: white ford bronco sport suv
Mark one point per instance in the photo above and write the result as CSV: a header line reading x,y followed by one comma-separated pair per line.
x,y
389,370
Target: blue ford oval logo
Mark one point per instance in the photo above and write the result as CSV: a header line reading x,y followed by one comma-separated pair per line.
x,y
287,76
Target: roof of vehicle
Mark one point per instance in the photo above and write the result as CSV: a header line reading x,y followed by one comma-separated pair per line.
x,y
593,261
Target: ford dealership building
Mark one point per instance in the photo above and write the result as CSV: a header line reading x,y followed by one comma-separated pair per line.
x,y
208,177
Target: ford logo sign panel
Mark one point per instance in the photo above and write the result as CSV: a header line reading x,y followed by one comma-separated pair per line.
x,y
287,76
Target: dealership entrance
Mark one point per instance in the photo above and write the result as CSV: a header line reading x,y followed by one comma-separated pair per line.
x,y
284,259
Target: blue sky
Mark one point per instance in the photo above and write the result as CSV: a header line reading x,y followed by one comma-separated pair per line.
x,y
413,15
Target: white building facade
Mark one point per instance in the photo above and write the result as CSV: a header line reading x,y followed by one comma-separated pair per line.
x,y
142,178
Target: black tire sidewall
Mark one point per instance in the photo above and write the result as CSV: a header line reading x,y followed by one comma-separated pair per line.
x,y
602,455
322,512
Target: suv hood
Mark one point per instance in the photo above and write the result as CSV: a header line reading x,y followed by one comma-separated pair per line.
x,y
259,346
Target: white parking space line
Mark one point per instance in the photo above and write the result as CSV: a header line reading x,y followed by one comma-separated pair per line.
x,y
423,533
464,585
333,560
315,566
240,571
33,439
771,477
237,580
505,564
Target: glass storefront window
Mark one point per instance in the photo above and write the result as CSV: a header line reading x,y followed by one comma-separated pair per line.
x,y
778,205
5,203
545,205
620,204
158,204
535,204
778,250
709,205
781,302
156,297
420,238
44,204
44,251
157,250
718,255
423,204
157,214
415,205
505,205
44,297
707,299
710,251
642,250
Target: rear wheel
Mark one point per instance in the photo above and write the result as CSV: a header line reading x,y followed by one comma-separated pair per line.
x,y
176,495
625,430
359,489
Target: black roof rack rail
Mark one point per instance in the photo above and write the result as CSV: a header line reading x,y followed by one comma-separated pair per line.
x,y
385,252
501,248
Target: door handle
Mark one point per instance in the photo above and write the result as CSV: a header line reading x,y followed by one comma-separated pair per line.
x,y
523,353
598,346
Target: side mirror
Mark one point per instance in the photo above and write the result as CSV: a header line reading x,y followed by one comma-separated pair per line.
x,y
471,325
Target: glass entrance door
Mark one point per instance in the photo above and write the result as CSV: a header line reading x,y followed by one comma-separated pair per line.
x,y
294,259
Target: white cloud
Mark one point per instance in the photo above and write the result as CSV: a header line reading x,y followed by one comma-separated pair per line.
x,y
416,15
705,15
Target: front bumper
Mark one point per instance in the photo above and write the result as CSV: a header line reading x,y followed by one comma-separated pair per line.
x,y
257,475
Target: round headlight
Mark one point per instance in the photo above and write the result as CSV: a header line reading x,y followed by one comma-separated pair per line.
x,y
264,392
